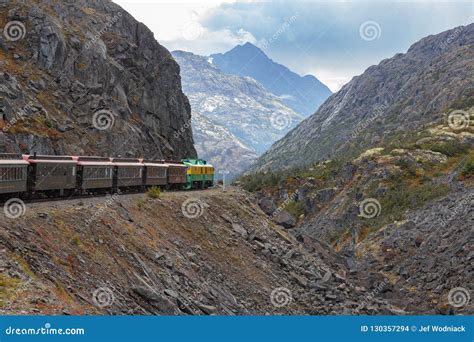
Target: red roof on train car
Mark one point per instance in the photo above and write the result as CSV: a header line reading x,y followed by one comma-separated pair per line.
x,y
174,163
34,159
13,162
155,163
126,162
92,161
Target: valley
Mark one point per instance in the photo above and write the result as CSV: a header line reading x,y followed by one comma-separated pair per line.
x,y
353,203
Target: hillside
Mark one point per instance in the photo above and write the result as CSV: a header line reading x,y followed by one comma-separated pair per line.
x,y
239,105
304,94
198,253
384,174
84,77
401,215
399,95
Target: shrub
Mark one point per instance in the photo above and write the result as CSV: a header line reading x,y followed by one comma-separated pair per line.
x,y
401,197
450,148
295,208
154,192
408,166
468,169
257,181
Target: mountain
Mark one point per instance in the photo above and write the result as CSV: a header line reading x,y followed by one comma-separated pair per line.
x,y
401,94
239,105
303,94
383,174
84,77
220,147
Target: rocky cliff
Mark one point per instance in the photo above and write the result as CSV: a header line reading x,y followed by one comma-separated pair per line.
x,y
84,77
400,94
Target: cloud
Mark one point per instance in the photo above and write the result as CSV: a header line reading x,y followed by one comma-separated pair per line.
x,y
331,40
207,40
324,38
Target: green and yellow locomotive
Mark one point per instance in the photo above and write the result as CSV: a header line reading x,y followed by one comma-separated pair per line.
x,y
200,174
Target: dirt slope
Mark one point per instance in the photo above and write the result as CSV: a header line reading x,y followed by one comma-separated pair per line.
x,y
130,254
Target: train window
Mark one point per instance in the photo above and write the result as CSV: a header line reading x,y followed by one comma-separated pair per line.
x,y
108,173
55,170
98,173
156,172
8,174
177,171
130,172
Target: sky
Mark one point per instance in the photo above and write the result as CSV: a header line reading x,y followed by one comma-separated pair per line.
x,y
332,40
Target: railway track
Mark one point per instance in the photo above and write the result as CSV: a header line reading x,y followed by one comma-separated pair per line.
x,y
89,196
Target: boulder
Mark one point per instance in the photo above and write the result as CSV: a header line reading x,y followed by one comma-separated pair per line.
x,y
285,219
240,230
155,299
267,205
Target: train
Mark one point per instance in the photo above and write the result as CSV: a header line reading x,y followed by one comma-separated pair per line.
x,y
39,176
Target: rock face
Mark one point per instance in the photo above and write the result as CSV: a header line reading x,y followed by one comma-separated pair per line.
x,y
390,180
303,94
246,116
87,78
438,239
398,95
220,147
401,218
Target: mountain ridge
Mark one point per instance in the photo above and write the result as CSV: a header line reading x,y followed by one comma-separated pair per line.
x,y
238,104
303,94
407,90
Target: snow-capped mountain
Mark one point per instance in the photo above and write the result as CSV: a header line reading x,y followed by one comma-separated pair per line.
x,y
245,114
303,94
